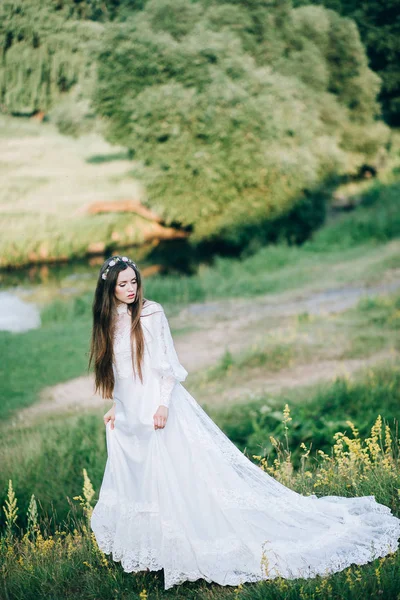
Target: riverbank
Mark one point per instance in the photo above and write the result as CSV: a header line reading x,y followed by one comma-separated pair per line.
x,y
62,198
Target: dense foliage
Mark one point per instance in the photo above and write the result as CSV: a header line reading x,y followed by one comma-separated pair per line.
x,y
48,50
237,110
239,113
379,26
45,54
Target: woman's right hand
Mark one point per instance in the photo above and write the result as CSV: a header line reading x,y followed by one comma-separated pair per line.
x,y
110,416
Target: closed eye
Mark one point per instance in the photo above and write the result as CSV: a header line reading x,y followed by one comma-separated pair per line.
x,y
122,284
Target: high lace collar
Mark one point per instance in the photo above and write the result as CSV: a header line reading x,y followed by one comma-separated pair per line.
x,y
122,308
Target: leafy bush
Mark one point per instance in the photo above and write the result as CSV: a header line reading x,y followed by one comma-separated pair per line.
x,y
46,52
379,32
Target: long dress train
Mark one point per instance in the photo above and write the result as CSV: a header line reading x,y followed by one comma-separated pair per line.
x,y
184,499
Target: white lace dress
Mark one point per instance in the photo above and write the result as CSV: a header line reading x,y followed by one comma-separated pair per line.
x,y
184,499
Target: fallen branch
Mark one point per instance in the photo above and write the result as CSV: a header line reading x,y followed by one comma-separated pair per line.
x,y
131,206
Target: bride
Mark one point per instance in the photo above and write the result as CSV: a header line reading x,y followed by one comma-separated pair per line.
x,y
176,493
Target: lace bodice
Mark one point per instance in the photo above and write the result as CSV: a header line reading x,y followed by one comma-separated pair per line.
x,y
160,354
122,342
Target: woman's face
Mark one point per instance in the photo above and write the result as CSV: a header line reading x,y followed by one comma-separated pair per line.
x,y
126,287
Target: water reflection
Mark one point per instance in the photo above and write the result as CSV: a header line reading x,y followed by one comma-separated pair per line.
x,y
16,315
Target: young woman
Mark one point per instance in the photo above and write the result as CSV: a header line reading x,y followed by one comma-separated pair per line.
x,y
177,494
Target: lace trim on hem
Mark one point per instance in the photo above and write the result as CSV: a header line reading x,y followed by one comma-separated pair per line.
x,y
149,557
175,577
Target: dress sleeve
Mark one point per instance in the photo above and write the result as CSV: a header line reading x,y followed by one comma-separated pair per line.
x,y
165,360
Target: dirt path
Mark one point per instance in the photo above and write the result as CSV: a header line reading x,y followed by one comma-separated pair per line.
x,y
258,385
235,324
238,324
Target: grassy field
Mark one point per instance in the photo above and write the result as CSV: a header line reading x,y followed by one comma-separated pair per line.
x,y
32,359
73,441
65,562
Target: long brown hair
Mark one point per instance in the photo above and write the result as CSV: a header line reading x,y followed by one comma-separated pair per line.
x,y
101,346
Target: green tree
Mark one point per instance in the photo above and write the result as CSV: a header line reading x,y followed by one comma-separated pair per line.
x,y
379,25
233,123
46,50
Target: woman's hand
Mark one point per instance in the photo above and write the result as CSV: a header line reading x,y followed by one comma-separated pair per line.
x,y
160,417
110,416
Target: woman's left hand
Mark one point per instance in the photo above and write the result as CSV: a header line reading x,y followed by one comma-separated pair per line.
x,y
160,417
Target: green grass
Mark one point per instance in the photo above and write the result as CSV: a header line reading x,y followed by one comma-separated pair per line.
x,y
374,324
46,458
370,328
376,220
38,358
85,574
75,441
63,237
365,344
50,558
272,359
317,412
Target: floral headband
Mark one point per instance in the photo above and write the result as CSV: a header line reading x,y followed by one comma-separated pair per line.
x,y
114,261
